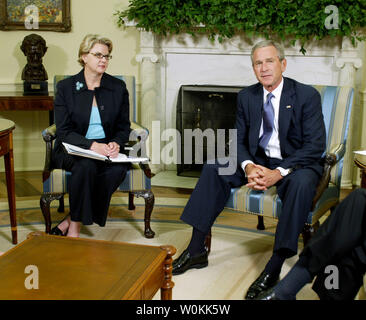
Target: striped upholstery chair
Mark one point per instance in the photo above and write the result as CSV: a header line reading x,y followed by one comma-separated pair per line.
x,y
336,105
137,181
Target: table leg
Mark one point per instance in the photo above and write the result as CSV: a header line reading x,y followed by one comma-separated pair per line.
x,y
167,287
10,184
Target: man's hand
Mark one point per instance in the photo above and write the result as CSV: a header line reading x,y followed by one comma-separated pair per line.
x,y
261,178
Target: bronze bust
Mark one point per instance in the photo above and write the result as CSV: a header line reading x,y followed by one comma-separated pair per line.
x,y
34,48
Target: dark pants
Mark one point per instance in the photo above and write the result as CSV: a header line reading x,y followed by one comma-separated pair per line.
x,y
91,186
341,242
212,192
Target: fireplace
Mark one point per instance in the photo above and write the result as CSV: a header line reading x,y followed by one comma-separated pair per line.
x,y
167,63
201,111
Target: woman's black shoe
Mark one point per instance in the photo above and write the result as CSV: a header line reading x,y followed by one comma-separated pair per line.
x,y
57,232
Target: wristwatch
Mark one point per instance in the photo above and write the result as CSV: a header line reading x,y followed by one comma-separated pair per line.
x,y
284,172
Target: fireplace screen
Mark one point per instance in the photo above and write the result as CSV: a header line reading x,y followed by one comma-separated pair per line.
x,y
201,112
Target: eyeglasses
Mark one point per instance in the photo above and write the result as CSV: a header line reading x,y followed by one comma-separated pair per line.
x,y
101,56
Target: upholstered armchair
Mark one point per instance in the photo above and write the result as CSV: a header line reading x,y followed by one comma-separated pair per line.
x,y
336,106
137,181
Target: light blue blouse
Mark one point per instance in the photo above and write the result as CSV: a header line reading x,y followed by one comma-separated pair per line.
x,y
95,130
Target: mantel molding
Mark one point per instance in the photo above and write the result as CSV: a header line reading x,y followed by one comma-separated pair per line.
x,y
239,44
153,58
342,61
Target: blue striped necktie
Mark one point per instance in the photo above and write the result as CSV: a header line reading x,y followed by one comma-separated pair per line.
x,y
268,117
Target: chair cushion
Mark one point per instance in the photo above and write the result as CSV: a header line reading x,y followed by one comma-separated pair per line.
x,y
268,204
59,180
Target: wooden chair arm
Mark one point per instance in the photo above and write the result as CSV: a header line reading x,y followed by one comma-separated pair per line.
x,y
147,171
330,160
49,134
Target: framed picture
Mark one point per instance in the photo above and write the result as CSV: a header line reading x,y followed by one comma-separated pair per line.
x,y
33,15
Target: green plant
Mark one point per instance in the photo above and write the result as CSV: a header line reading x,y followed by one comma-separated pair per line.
x,y
284,19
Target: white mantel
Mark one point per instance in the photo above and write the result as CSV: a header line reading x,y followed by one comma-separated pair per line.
x,y
168,63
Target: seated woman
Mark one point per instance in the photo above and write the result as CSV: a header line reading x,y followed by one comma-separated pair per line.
x,y
335,255
91,112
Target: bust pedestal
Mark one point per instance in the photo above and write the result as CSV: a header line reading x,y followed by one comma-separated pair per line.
x,y
35,88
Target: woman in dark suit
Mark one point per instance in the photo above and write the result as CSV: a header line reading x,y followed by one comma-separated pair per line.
x,y
91,112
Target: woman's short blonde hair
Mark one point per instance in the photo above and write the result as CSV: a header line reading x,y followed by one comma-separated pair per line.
x,y
89,41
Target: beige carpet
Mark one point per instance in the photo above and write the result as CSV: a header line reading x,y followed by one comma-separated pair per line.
x,y
236,259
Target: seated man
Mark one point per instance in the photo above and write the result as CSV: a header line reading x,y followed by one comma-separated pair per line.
x,y
280,141
339,243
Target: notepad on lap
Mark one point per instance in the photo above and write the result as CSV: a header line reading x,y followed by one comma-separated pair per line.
x,y
77,151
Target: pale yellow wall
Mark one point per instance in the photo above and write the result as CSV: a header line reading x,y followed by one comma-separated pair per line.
x,y
88,16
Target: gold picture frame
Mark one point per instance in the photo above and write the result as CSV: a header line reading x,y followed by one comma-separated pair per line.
x,y
33,15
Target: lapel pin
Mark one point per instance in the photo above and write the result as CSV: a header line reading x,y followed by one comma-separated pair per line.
x,y
288,107
79,85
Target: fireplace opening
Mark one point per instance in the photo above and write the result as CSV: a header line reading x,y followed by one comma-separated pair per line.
x,y
206,108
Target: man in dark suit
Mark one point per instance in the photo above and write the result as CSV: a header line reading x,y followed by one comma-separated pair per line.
x,y
335,255
280,141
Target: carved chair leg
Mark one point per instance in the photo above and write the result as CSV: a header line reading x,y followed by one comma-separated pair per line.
x,y
131,205
149,197
208,242
45,202
61,207
260,225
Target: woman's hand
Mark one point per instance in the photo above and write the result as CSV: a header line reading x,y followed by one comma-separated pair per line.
x,y
113,149
100,148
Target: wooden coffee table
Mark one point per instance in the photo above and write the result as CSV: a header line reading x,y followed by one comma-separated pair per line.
x,y
70,268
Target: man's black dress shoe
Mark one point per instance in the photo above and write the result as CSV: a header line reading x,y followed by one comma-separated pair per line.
x,y
267,295
185,262
264,282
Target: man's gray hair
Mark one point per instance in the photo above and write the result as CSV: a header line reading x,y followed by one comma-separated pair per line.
x,y
268,43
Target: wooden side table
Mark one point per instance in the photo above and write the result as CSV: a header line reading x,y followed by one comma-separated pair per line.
x,y
363,172
15,101
6,150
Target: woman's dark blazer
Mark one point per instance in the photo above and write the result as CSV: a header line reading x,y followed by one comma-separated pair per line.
x,y
73,103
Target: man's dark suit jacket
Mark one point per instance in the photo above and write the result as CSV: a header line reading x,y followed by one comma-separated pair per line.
x,y
73,105
301,126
